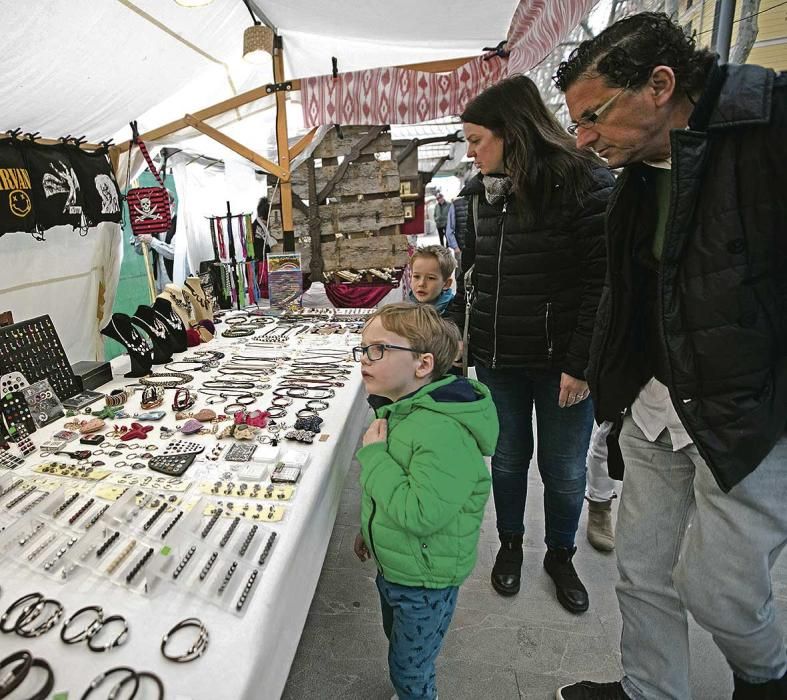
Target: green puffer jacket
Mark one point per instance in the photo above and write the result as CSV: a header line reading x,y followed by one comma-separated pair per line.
x,y
425,489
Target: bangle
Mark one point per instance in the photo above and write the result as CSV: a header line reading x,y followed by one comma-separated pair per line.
x,y
91,629
281,401
116,642
276,411
196,650
117,397
183,400
98,680
137,675
180,378
152,397
323,405
13,678
25,619
43,692
35,597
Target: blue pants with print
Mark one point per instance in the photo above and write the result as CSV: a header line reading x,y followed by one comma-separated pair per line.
x,y
415,621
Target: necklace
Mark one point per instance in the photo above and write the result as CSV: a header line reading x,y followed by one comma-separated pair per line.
x,y
172,320
158,329
137,342
201,300
183,303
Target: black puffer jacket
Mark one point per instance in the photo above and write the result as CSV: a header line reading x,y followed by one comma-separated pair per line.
x,y
536,287
722,291
460,221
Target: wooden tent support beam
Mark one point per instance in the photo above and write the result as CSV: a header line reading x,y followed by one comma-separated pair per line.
x,y
416,143
351,156
283,147
240,149
437,167
264,91
303,144
316,265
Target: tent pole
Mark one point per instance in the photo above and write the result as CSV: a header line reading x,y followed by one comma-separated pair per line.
x,y
283,147
151,284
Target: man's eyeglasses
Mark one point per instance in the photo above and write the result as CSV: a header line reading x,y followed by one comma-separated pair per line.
x,y
587,122
377,350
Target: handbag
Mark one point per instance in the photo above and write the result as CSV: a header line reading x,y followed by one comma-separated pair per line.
x,y
469,298
148,207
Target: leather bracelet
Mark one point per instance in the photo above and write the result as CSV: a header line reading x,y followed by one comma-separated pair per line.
x,y
13,678
21,624
116,642
43,692
98,680
276,412
196,650
36,597
139,674
92,628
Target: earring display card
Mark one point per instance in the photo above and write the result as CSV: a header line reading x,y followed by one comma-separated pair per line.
x,y
17,421
43,403
33,348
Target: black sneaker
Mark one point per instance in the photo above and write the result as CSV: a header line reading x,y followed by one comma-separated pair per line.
x,y
587,690
507,571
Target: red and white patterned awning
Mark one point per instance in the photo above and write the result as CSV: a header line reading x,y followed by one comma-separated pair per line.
x,y
399,96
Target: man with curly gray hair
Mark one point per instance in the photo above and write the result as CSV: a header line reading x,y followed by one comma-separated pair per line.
x,y
690,343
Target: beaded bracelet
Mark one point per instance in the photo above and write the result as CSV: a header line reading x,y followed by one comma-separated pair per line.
x,y
180,378
117,397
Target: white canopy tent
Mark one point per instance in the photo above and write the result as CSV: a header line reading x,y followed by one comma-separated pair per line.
x,y
88,68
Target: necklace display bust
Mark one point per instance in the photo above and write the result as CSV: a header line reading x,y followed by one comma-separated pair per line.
x,y
180,305
148,322
201,303
162,307
139,349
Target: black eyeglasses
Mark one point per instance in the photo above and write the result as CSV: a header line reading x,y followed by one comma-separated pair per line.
x,y
588,121
376,351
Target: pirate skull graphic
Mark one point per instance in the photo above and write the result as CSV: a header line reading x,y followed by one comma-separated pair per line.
x,y
146,210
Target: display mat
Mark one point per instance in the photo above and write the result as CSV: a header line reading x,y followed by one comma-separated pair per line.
x,y
33,348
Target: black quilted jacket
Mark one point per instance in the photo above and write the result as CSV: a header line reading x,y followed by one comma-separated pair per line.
x,y
536,287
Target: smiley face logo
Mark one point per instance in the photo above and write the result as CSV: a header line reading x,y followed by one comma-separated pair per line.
x,y
19,202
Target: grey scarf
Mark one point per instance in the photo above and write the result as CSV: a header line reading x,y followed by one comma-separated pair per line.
x,y
497,188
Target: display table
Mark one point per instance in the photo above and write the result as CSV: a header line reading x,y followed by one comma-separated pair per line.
x,y
248,656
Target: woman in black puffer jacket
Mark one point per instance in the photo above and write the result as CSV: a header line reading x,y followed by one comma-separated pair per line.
x,y
538,258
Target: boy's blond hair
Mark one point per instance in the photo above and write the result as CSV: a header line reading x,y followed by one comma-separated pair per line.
x,y
445,258
424,330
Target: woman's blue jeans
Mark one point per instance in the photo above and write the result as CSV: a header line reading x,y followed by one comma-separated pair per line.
x,y
563,437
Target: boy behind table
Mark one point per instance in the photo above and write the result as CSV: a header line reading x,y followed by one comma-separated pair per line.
x,y
432,273
424,483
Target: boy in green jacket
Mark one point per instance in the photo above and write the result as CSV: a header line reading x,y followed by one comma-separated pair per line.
x,y
425,483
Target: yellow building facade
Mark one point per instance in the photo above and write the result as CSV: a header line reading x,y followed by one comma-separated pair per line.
x,y
770,46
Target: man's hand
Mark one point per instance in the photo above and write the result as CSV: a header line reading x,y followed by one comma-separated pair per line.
x,y
145,238
378,432
572,391
360,548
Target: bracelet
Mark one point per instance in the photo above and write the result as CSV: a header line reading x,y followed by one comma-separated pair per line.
x,y
26,618
43,692
117,397
116,642
151,398
236,320
196,650
13,678
183,400
98,680
138,675
194,366
36,597
276,412
237,332
323,405
91,629
281,401
180,378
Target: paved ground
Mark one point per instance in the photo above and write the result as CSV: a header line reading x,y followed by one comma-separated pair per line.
x,y
497,648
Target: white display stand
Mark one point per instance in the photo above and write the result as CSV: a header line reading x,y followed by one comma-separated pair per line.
x,y
248,657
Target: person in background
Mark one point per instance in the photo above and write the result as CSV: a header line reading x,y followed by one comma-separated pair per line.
x,y
162,250
440,214
263,238
424,483
455,229
600,491
691,338
537,251
432,274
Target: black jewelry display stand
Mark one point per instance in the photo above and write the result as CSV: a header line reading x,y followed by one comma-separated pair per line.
x,y
231,244
177,331
145,319
33,348
139,349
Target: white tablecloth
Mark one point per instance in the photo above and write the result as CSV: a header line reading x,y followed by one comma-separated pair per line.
x,y
248,657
